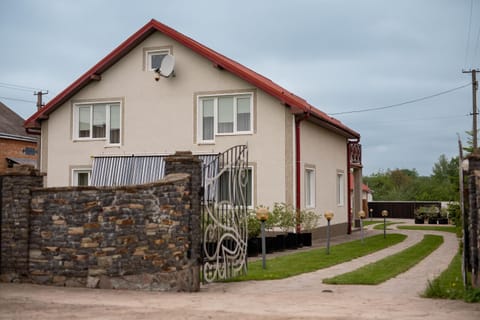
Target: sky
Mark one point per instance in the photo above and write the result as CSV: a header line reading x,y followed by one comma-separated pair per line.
x,y
339,55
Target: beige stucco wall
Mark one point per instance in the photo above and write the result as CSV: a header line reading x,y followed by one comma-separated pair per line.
x,y
158,117
327,153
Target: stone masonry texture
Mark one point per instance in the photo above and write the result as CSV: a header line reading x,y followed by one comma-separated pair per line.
x,y
133,237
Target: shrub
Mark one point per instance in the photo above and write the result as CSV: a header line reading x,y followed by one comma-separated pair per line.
x,y
253,224
308,220
284,216
454,213
427,212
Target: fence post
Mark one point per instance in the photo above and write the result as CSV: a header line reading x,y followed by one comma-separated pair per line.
x,y
473,215
185,162
16,193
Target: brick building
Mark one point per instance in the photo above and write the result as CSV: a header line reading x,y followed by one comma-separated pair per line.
x,y
16,146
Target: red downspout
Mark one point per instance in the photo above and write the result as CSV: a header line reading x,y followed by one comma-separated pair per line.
x,y
298,167
349,184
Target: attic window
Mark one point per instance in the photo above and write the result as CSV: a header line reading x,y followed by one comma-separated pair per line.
x,y
154,58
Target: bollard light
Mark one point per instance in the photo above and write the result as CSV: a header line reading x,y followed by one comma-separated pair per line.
x,y
329,216
361,215
384,215
262,215
371,213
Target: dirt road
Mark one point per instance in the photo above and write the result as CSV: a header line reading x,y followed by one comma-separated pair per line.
x,y
301,297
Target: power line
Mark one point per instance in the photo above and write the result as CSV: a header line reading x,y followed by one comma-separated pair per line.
x,y
367,109
18,87
17,99
476,45
468,34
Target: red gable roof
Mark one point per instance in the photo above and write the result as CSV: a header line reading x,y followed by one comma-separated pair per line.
x,y
297,104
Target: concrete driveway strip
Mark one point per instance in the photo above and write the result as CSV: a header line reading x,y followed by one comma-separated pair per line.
x,y
301,297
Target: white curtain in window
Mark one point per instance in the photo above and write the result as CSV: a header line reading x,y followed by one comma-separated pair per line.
x,y
225,114
207,119
99,121
84,122
115,123
243,113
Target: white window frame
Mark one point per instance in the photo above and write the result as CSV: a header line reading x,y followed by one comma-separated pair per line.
x,y
149,53
310,187
215,97
252,175
340,191
76,121
77,171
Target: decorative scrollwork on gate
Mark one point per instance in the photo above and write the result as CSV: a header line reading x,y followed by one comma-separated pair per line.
x,y
224,215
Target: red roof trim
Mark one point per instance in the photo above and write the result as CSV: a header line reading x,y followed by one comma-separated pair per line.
x,y
297,104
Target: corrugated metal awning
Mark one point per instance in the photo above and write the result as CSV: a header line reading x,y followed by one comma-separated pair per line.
x,y
130,170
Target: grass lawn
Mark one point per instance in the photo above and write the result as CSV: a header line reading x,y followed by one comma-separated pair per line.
x,y
449,284
451,229
391,266
315,259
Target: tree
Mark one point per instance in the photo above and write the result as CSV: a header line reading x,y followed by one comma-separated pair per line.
x,y
407,185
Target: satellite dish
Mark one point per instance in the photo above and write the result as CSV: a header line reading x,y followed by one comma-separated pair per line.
x,y
167,65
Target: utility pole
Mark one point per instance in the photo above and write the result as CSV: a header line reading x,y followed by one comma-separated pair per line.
x,y
39,95
474,105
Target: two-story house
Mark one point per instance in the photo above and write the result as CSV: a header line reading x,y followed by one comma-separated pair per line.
x,y
122,109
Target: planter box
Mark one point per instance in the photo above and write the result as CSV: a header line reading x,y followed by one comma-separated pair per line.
x,y
291,241
281,242
442,220
254,247
419,221
307,239
271,243
432,220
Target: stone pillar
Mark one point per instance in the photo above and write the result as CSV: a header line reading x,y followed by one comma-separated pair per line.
x,y
185,162
15,196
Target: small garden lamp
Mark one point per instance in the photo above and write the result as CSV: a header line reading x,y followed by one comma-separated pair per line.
x,y
384,215
329,216
361,215
262,215
371,213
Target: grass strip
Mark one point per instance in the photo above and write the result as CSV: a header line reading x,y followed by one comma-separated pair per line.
x,y
451,229
389,267
388,223
449,284
316,259
370,222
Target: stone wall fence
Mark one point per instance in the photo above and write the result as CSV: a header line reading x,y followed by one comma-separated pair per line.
x,y
132,237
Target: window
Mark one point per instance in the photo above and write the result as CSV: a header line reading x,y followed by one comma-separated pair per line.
x,y
224,190
154,58
309,188
340,189
81,177
224,115
98,121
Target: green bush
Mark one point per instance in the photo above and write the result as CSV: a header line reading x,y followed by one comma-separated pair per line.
x,y
427,212
308,220
283,216
454,213
253,224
